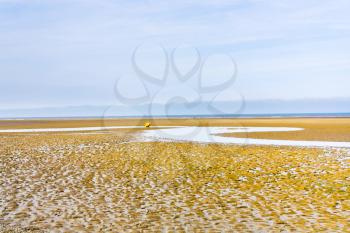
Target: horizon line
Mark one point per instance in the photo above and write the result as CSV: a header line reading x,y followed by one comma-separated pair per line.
x,y
258,115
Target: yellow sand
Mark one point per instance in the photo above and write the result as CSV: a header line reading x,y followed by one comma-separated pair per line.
x,y
73,182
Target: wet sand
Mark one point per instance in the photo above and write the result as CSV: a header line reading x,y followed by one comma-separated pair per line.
x,y
316,129
107,182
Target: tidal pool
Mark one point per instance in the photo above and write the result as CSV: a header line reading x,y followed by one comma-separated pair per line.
x,y
212,135
199,134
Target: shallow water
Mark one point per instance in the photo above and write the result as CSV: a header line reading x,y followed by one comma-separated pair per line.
x,y
210,135
46,130
199,134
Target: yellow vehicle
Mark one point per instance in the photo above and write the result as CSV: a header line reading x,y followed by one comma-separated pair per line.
x,y
147,124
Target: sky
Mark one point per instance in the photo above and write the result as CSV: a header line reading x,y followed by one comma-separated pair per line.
x,y
73,52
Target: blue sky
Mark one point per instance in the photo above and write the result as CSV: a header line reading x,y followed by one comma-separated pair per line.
x,y
70,52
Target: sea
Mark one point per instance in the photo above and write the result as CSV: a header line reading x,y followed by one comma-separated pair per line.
x,y
272,115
